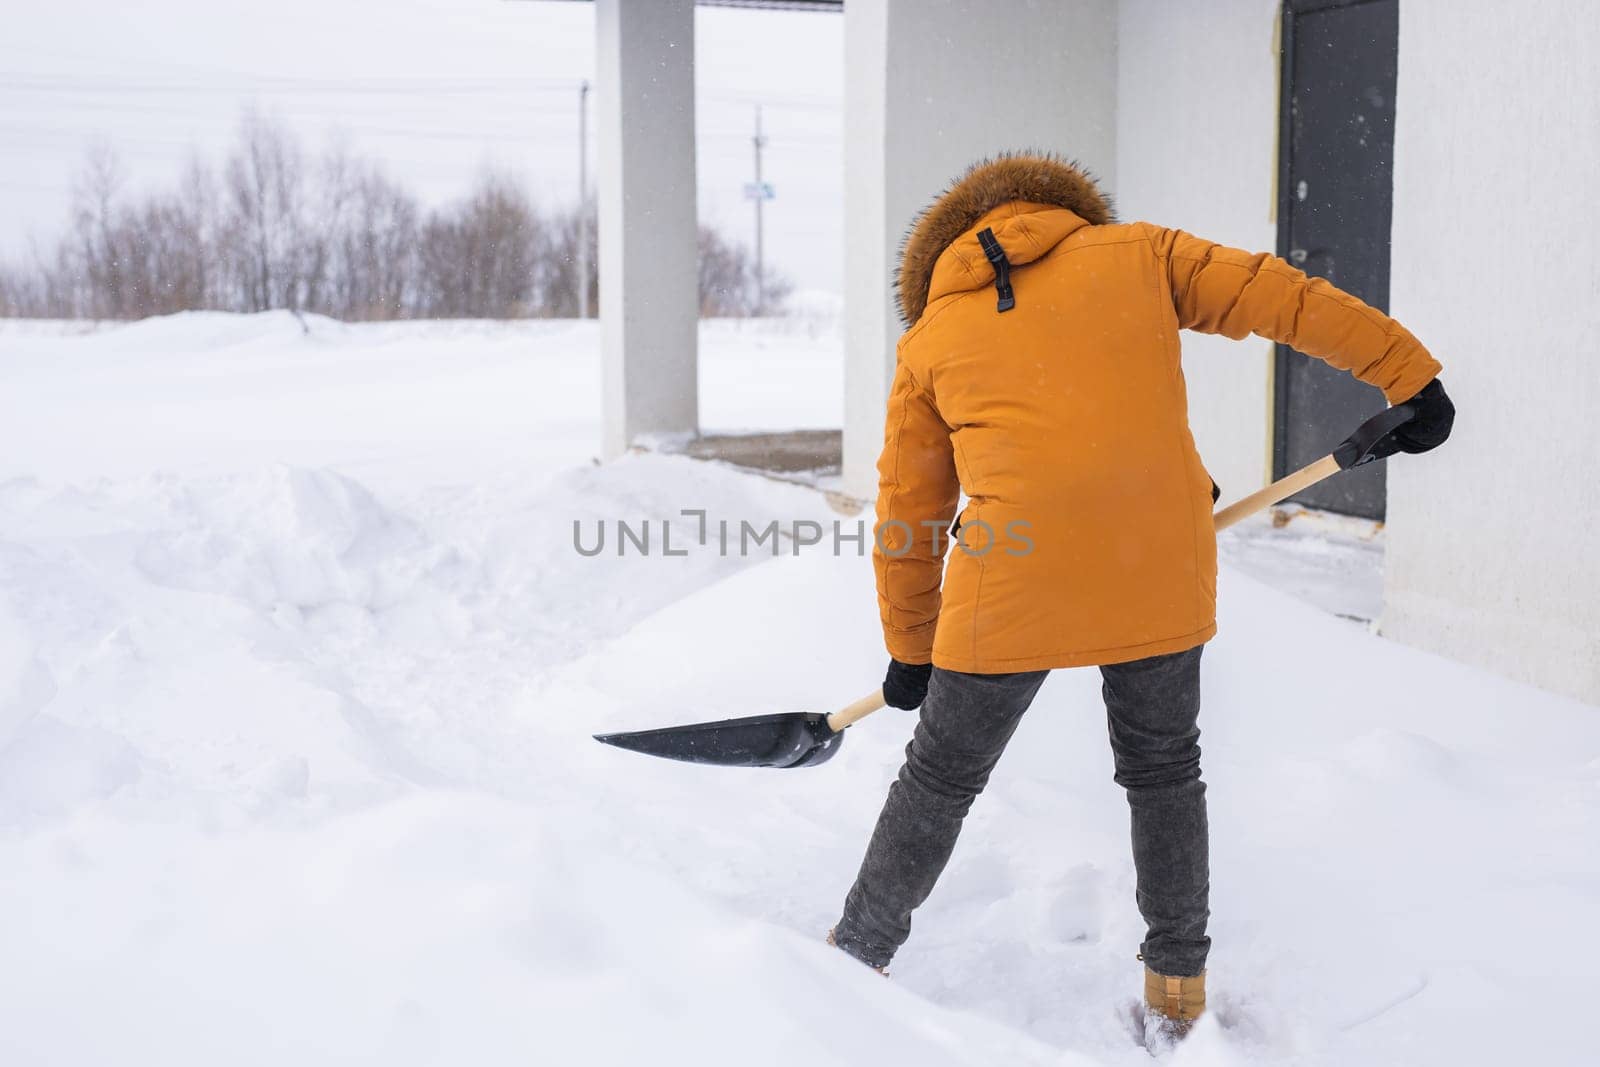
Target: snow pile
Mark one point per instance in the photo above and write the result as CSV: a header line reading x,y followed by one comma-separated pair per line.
x,y
295,762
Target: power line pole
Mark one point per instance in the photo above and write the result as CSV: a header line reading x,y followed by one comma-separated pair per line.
x,y
760,198
583,200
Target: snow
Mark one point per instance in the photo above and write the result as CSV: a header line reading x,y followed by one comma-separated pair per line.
x,y
1333,561
298,668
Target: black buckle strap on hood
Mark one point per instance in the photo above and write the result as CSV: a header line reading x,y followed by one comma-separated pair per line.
x,y
1030,177
1002,269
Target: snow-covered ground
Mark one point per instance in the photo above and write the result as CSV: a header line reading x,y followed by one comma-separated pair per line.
x,y
298,668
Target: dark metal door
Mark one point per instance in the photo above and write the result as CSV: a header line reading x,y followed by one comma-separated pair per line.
x,y
1335,206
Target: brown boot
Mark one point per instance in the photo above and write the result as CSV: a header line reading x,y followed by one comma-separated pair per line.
x,y
881,970
1179,1001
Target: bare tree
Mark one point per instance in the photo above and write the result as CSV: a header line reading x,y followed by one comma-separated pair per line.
x,y
480,257
99,262
559,276
729,286
331,234
21,295
376,275
264,214
195,216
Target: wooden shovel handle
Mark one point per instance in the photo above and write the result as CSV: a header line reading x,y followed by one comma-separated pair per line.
x,y
1281,489
1354,451
1260,499
854,712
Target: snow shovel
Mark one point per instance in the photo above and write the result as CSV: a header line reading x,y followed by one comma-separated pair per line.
x,y
808,738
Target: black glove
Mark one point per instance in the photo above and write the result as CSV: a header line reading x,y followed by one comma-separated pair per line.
x,y
906,684
1433,415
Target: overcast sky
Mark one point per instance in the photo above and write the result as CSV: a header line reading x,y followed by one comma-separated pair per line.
x,y
439,90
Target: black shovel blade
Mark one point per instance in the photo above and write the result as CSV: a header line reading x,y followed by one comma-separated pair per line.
x,y
789,739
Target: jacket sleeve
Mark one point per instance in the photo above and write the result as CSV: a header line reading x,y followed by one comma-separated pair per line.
x,y
1216,289
917,484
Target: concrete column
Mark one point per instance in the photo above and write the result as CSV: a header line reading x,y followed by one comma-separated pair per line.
x,y
1494,540
870,325
930,87
649,302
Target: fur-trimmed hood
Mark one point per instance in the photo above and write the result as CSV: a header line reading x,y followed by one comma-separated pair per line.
x,y
1034,178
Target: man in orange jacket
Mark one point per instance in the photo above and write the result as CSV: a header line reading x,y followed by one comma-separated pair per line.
x,y
1040,376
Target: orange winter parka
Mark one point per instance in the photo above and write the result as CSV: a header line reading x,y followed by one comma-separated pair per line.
x,y
1040,379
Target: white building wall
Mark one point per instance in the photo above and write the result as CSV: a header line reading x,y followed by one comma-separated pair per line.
x,y
1494,540
932,86
1197,149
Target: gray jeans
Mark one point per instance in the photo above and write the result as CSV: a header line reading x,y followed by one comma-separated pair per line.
x,y
1151,707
